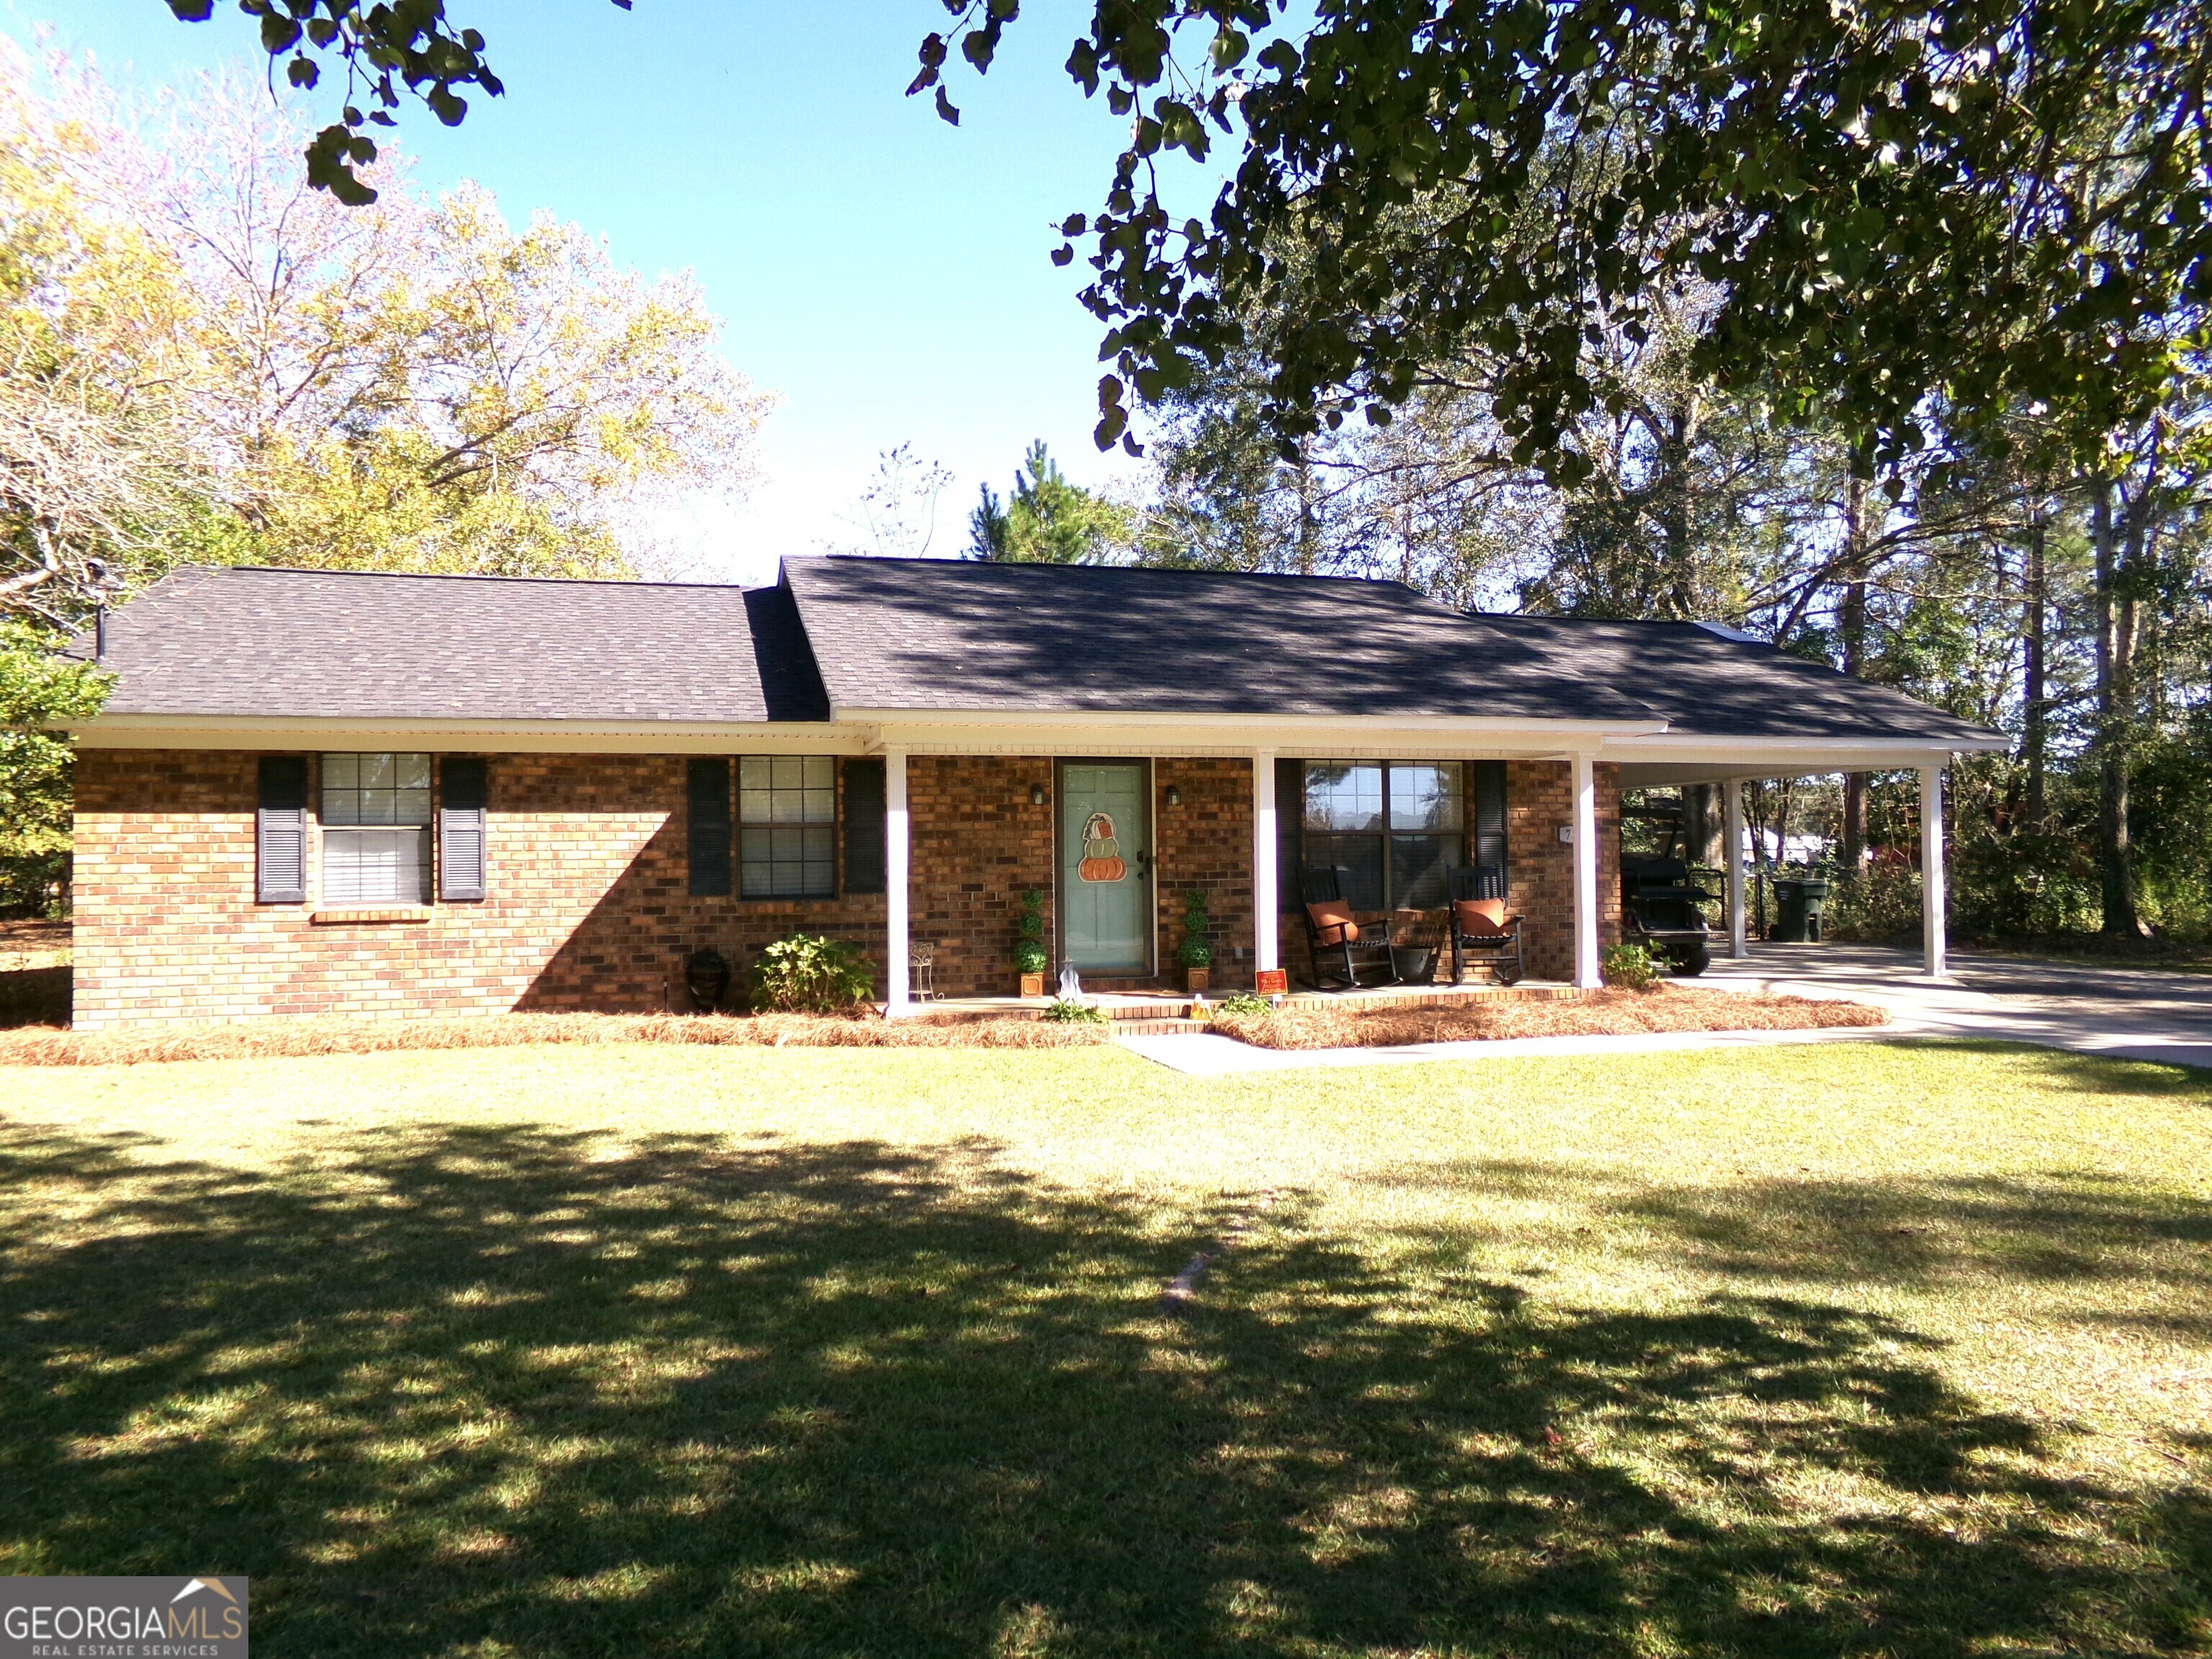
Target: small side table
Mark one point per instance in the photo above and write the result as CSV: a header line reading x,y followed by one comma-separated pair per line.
x,y
921,970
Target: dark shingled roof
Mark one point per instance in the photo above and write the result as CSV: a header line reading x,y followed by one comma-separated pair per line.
x,y
1707,684
938,634
328,644
927,635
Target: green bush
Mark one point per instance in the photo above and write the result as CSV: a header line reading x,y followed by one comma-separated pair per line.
x,y
811,973
1065,1013
1029,955
1195,951
1246,1002
1873,905
1630,967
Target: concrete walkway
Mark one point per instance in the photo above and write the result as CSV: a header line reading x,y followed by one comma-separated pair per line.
x,y
2125,1013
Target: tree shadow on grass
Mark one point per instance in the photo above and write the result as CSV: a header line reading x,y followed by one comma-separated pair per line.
x,y
2081,1225
2076,1071
499,1390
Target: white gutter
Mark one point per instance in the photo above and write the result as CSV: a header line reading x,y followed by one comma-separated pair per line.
x,y
554,737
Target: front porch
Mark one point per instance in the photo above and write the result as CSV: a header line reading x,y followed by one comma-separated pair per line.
x,y
966,835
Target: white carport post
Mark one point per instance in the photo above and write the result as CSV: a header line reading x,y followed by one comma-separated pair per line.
x,y
1586,972
898,974
1265,877
1732,828
1932,878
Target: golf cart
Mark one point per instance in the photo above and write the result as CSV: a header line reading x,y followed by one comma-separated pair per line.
x,y
1661,909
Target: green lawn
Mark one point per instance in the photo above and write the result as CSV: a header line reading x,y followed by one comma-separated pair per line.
x,y
1846,1350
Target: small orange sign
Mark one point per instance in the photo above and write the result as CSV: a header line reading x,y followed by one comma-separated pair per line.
x,y
1273,982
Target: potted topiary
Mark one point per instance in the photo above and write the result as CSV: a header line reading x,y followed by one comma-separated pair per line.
x,y
1030,957
1195,953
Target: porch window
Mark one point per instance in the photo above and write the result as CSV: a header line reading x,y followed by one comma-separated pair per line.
x,y
1396,828
787,826
376,828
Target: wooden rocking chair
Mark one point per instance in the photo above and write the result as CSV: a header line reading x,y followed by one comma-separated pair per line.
x,y
1481,925
1334,937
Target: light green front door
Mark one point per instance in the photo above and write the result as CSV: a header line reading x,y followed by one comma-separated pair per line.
x,y
1105,868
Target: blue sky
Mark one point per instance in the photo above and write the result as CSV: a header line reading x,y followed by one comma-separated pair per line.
x,y
886,274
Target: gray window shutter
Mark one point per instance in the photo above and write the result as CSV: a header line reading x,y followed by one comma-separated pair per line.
x,y
280,831
864,826
1289,819
1490,820
463,789
708,821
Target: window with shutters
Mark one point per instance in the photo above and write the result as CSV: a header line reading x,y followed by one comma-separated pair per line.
x,y
376,829
787,826
1396,829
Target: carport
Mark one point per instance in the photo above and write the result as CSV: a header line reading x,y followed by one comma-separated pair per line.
x,y
1753,712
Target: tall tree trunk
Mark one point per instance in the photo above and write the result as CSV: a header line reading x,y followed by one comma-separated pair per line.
x,y
1759,858
2116,648
1683,596
1309,516
1701,824
1851,625
2036,743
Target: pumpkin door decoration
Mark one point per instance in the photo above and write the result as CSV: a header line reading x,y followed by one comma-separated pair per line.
x,y
1102,852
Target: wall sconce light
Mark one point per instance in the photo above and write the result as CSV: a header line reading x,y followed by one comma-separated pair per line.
x,y
1037,794
1175,796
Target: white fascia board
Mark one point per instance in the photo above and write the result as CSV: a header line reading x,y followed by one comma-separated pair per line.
x,y
507,736
1761,757
1078,732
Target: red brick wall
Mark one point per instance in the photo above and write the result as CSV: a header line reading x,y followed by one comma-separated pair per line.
x,y
1205,843
977,845
588,907
1539,798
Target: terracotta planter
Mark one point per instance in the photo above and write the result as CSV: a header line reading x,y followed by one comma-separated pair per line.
x,y
1197,979
1032,984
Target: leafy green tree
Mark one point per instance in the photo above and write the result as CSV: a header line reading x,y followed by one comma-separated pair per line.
x,y
201,359
1048,519
1987,205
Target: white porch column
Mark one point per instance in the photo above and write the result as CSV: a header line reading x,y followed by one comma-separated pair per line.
x,y
1932,878
898,976
1265,876
1587,974
1732,828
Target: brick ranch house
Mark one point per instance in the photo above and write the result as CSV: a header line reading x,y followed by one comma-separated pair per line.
x,y
381,794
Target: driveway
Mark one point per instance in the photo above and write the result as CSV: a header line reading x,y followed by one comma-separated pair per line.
x,y
2128,1012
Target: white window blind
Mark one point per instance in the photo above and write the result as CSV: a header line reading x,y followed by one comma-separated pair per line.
x,y
376,829
787,826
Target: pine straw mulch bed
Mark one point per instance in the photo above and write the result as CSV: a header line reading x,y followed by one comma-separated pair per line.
x,y
1600,1013
339,1035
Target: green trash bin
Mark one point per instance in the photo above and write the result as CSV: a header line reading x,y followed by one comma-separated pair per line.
x,y
1797,905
